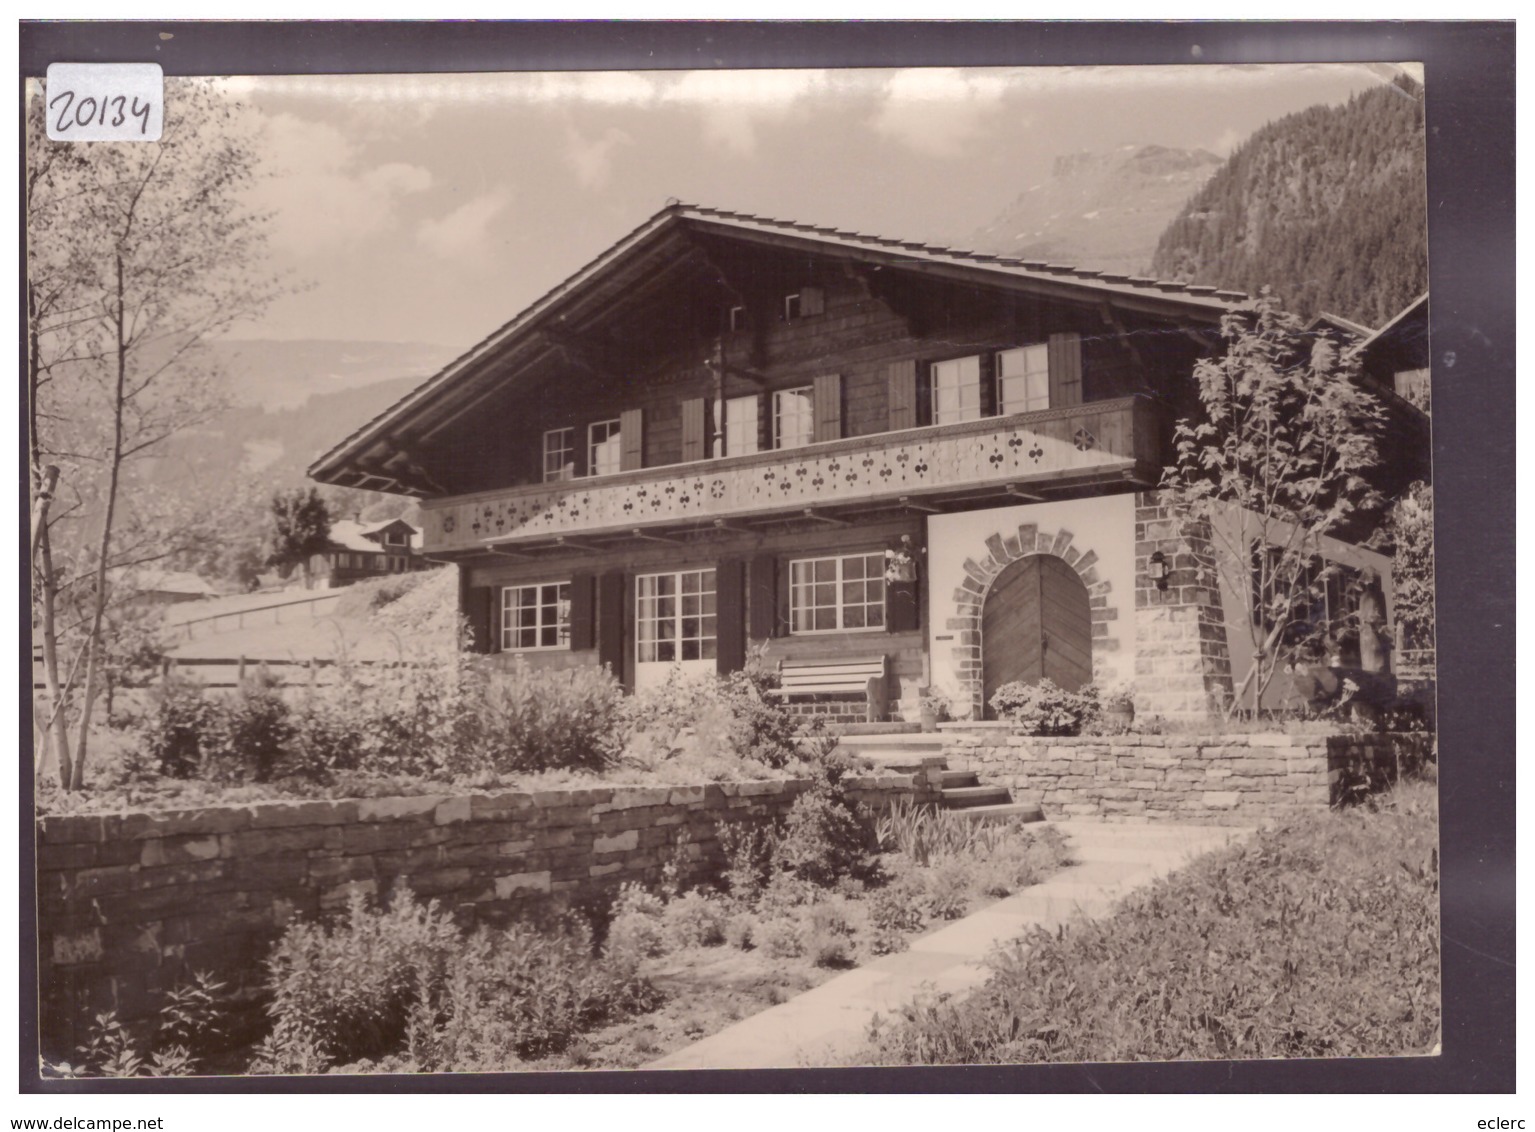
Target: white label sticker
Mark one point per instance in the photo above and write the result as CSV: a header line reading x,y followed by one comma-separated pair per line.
x,y
105,101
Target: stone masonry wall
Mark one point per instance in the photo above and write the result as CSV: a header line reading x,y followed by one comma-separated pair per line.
x,y
130,903
1223,780
1182,660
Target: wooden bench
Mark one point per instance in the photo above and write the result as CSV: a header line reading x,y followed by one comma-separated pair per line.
x,y
830,677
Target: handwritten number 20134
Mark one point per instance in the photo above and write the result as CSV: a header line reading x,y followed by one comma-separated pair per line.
x,y
90,111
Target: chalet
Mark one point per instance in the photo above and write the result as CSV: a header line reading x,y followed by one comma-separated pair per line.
x,y
359,551
866,456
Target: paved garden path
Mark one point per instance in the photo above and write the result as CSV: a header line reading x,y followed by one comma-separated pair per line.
x,y
826,1025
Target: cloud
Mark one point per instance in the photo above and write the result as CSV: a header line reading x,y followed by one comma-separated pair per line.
x,y
592,158
937,110
324,198
733,104
460,235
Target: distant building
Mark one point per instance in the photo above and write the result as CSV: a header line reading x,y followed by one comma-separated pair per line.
x,y
166,587
359,551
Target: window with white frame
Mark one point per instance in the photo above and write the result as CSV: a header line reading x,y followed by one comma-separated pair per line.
x,y
828,595
957,390
1023,380
792,305
793,417
559,454
535,616
741,425
674,616
604,448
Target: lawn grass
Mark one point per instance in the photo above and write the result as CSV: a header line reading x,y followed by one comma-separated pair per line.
x,y
1316,939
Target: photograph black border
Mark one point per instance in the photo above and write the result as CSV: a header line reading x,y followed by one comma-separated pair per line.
x,y
1469,81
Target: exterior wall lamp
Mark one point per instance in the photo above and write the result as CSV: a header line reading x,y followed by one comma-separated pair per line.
x,y
1156,569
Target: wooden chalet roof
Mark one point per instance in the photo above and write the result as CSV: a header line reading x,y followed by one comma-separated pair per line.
x,y
659,250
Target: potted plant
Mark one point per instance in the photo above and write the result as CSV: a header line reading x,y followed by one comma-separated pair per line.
x,y
1118,706
934,706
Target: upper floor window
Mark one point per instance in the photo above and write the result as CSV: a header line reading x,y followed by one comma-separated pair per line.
x,y
396,538
829,595
793,307
957,390
1023,380
793,417
604,448
559,454
741,425
535,616
737,318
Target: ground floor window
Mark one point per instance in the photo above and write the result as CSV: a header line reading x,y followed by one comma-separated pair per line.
x,y
674,617
831,594
535,616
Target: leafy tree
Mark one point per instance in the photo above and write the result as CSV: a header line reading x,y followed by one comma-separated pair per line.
x,y
137,255
300,529
1411,524
1277,460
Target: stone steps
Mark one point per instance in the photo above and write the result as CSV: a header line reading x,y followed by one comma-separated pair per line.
x,y
966,797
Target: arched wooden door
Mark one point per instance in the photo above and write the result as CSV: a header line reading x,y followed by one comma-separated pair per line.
x,y
1037,624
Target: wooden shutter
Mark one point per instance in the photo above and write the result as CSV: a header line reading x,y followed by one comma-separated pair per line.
x,y
632,440
730,619
901,378
610,621
479,607
812,300
826,407
1065,369
986,372
583,611
694,430
763,600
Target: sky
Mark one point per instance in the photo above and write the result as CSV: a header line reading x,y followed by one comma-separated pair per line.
x,y
433,208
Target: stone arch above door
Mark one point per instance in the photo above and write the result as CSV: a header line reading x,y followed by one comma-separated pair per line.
x,y
1002,549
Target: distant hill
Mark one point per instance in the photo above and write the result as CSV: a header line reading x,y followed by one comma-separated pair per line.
x,y
1100,210
1327,206
278,374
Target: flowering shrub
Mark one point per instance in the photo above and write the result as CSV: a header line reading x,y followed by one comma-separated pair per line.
x,y
531,719
1045,708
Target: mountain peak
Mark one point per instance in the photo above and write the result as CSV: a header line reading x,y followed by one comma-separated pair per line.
x,y
1100,210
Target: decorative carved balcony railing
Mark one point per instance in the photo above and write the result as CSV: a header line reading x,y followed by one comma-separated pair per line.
x,y
1102,440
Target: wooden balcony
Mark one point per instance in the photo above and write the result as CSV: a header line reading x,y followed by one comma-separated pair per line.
x,y
1028,456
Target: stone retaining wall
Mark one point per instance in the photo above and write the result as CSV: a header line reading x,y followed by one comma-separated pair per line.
x,y
130,903
1224,780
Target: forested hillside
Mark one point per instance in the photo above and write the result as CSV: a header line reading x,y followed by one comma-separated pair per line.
x,y
1327,206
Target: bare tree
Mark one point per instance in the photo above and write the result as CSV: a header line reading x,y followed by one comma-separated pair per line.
x,y
138,255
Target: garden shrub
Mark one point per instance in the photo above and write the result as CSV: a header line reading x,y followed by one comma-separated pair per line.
x,y
749,849
637,929
694,919
1045,708
1316,939
741,930
781,937
948,883
188,1026
688,716
405,988
824,837
829,934
533,719
173,729
250,732
343,993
